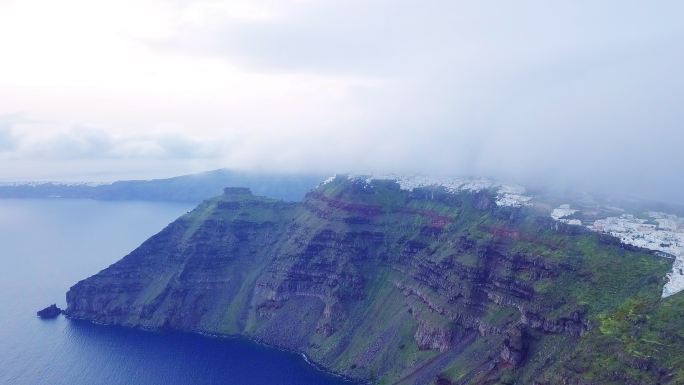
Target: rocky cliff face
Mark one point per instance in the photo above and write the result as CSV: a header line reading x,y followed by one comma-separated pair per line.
x,y
396,286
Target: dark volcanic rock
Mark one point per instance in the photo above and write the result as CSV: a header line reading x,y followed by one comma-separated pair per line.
x,y
514,347
51,311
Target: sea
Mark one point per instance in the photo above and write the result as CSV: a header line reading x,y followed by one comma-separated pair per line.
x,y
46,246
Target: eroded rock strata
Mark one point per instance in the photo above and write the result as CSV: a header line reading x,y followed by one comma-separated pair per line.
x,y
396,286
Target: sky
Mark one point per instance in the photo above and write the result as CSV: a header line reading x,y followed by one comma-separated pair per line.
x,y
564,93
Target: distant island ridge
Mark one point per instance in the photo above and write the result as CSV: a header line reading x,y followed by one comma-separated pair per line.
x,y
192,188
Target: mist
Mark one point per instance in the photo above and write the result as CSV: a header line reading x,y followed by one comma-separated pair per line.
x,y
584,94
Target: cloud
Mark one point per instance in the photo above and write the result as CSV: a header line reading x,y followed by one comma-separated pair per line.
x,y
8,139
577,93
82,142
400,37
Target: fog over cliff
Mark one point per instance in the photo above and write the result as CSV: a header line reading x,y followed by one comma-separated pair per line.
x,y
584,94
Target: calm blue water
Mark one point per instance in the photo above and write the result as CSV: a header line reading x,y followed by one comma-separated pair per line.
x,y
46,246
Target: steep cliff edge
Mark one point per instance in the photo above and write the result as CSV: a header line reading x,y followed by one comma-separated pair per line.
x,y
397,286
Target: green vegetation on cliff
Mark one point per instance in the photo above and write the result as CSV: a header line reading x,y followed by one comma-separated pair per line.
x,y
405,287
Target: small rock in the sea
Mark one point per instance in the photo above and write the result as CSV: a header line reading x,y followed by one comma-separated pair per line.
x,y
51,311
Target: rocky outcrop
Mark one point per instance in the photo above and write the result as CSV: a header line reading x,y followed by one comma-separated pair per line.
x,y
576,324
514,347
429,336
51,311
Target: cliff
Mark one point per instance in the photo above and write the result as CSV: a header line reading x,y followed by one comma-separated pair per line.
x,y
396,286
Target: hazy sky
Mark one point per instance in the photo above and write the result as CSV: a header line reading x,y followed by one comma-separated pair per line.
x,y
587,92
